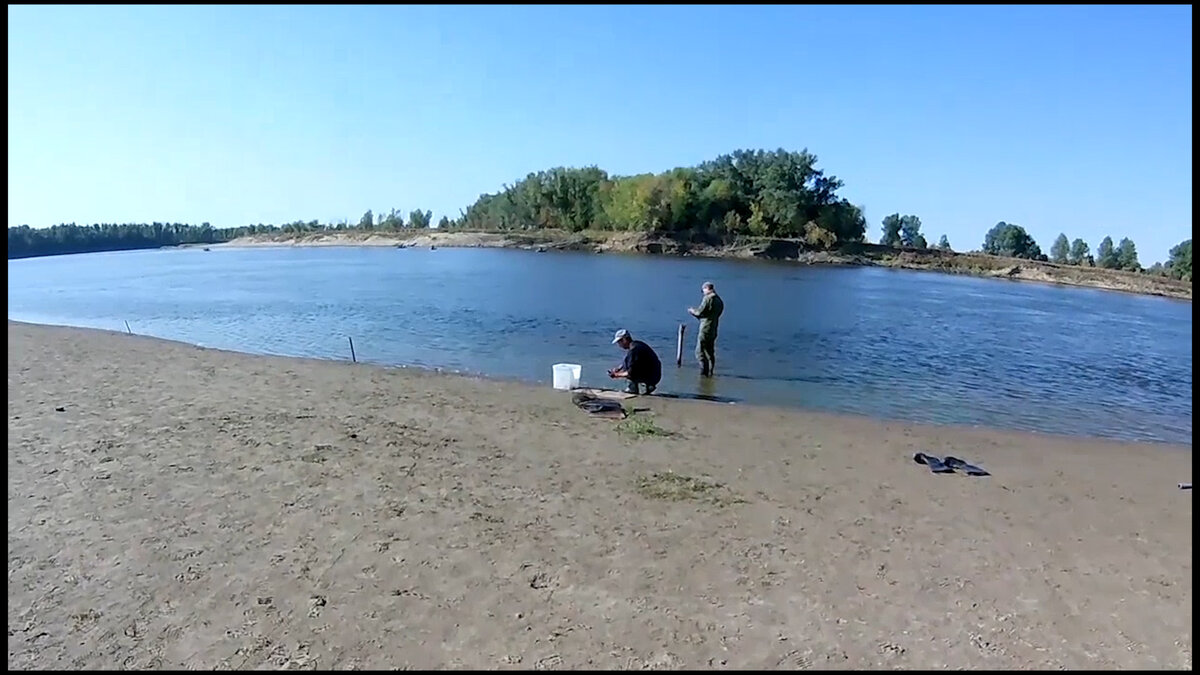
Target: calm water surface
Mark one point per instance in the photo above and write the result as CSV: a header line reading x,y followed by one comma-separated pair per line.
x,y
892,344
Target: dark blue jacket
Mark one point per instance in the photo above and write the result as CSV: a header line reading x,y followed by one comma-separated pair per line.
x,y
642,364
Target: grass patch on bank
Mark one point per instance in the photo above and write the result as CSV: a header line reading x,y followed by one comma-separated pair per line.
x,y
675,487
637,426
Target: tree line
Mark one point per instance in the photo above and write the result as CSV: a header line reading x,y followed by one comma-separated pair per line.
x,y
27,242
777,194
1012,241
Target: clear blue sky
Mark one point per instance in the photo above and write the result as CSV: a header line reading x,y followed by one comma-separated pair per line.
x,y
1072,119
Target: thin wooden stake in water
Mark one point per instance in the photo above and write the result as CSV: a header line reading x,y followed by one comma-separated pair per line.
x,y
127,329
679,345
352,356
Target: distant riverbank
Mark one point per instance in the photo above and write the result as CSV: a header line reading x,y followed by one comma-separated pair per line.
x,y
764,249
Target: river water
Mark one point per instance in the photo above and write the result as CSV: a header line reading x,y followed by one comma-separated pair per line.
x,y
892,344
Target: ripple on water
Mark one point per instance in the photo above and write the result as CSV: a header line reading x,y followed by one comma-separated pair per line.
x,y
920,347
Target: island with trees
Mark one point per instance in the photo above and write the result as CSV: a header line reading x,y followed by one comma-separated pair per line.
x,y
748,204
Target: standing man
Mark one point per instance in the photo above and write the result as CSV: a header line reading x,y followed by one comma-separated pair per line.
x,y
709,314
641,364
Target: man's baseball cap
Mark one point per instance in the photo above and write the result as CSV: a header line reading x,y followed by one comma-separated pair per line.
x,y
620,334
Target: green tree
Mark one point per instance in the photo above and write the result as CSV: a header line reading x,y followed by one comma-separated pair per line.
x,y
1106,254
1060,250
444,223
733,223
844,220
367,222
1006,239
420,219
910,232
1179,260
1127,258
392,221
1080,253
891,230
943,243
818,237
758,224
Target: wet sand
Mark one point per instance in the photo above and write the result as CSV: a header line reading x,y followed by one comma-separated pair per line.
x,y
178,507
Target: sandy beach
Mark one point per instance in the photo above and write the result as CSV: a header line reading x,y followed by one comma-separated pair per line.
x,y
177,507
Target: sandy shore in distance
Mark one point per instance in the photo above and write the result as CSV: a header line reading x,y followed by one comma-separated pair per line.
x,y
177,507
969,264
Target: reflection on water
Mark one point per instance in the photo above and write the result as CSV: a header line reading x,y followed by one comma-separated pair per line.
x,y
902,345
707,388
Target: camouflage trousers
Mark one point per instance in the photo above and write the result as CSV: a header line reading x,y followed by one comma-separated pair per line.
x,y
706,352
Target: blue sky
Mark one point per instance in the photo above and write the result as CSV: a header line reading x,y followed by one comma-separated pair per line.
x,y
1071,119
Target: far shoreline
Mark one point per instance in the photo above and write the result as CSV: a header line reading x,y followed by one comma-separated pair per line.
x,y
981,430
774,250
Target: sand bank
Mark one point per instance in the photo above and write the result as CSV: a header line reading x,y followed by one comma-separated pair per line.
x,y
930,260
177,507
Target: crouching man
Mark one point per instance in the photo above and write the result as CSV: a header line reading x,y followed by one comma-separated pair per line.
x,y
641,365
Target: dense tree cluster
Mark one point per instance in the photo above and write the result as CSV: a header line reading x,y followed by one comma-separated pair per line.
x,y
1123,256
905,231
757,193
1012,241
1179,262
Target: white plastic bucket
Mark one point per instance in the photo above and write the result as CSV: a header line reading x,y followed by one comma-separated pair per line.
x,y
566,375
